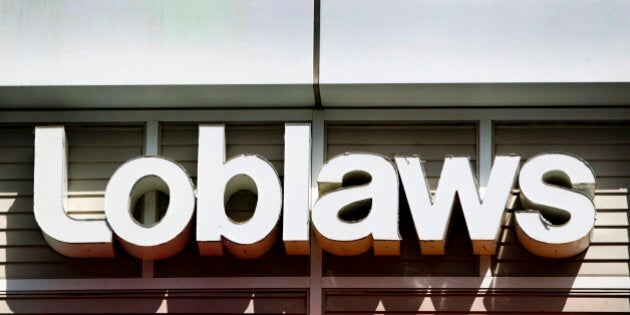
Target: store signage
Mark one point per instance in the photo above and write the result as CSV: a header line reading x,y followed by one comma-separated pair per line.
x,y
559,184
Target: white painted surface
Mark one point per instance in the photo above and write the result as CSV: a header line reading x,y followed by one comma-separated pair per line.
x,y
155,42
296,208
429,41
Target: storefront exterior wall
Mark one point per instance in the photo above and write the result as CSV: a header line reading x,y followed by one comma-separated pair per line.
x,y
395,77
37,278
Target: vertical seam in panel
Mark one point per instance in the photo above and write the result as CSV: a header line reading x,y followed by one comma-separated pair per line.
x,y
484,143
315,300
485,151
316,31
151,147
151,138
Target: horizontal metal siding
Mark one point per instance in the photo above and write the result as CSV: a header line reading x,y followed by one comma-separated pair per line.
x,y
606,147
467,301
179,142
432,142
94,153
173,301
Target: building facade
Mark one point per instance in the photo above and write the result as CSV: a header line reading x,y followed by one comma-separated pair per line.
x,y
476,79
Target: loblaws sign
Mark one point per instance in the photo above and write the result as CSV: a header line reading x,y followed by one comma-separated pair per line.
x,y
559,184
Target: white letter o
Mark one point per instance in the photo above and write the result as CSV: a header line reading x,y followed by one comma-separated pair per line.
x,y
132,180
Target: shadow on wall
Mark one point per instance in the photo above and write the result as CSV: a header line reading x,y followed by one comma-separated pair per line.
x,y
498,298
458,261
513,260
606,256
449,301
512,263
275,263
261,302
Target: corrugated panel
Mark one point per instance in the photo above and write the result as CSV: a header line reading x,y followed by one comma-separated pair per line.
x,y
94,153
432,142
606,148
475,302
179,142
206,302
